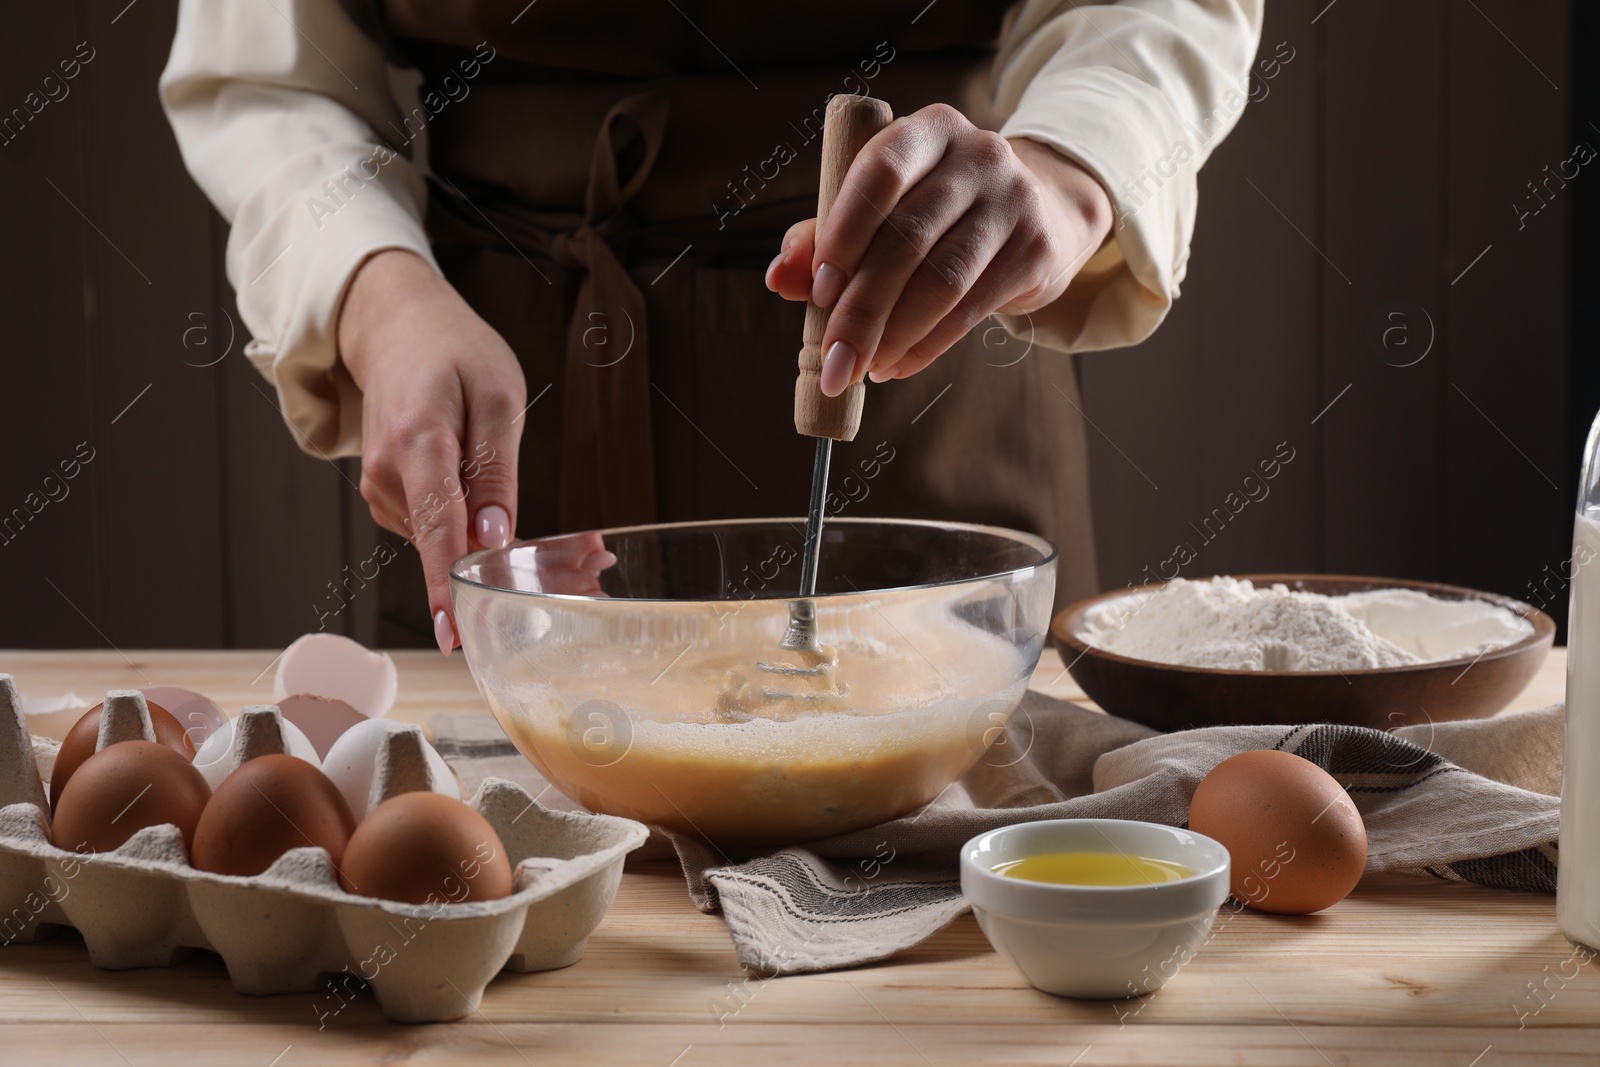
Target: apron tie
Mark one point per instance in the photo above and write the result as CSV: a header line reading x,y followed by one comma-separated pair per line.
x,y
607,455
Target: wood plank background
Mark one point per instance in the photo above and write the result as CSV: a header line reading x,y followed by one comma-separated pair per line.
x,y
1381,163
1372,175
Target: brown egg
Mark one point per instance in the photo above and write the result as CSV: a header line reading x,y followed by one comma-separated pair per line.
x,y
122,789
1296,841
426,848
266,807
79,743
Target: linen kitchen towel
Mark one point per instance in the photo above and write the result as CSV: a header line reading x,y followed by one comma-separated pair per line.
x,y
1464,801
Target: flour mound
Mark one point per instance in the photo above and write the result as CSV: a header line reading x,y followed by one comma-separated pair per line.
x,y
1229,624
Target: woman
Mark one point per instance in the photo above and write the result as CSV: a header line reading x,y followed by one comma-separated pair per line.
x,y
562,327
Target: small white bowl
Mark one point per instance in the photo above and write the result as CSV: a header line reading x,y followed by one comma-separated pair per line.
x,y
1098,942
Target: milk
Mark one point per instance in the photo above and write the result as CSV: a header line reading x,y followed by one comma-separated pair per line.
x,y
1578,874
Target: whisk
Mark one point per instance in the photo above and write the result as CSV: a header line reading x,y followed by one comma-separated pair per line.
x,y
807,681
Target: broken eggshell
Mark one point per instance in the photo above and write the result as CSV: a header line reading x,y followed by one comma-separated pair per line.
x,y
335,667
322,719
54,716
199,714
384,749
259,730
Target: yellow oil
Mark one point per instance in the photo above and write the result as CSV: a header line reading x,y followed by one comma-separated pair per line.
x,y
1093,868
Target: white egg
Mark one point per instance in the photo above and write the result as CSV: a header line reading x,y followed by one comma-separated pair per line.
x,y
337,668
251,734
352,763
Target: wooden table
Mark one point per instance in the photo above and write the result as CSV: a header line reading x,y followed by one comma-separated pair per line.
x,y
1406,971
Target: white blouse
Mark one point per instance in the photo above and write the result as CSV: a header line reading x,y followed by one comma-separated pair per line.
x,y
269,100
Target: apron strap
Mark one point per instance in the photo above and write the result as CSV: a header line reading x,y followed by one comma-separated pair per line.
x,y
607,455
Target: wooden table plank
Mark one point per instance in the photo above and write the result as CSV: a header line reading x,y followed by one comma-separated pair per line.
x,y
780,1045
1408,968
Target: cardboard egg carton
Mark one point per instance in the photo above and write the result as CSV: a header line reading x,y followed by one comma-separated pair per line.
x,y
292,927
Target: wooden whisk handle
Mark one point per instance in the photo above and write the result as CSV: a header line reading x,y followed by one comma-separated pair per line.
x,y
850,123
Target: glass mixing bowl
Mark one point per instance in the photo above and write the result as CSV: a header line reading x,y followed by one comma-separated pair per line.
x,y
654,686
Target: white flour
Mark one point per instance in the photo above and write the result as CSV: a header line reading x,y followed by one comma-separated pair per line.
x,y
1230,624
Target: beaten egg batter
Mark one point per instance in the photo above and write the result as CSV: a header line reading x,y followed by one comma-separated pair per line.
x,y
714,746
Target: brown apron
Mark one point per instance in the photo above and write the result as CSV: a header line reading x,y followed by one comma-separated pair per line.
x,y
611,181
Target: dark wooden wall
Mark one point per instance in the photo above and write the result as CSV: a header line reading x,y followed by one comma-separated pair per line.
x,y
1381,161
198,522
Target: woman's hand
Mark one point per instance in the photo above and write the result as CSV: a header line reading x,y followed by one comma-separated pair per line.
x,y
938,225
442,403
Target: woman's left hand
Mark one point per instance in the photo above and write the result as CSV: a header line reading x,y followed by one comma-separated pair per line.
x,y
938,225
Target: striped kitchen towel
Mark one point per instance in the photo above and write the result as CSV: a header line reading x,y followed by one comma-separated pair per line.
x,y
1466,801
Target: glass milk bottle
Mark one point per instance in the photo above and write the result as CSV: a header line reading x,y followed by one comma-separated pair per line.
x,y
1578,874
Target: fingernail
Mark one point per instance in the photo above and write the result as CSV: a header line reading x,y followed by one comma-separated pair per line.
x,y
494,526
599,561
777,259
827,285
880,376
443,632
838,367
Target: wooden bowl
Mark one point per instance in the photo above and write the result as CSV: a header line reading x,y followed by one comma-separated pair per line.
x,y
1170,697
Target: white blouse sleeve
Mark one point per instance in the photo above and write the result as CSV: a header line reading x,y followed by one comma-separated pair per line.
x,y
278,107
1138,93
283,113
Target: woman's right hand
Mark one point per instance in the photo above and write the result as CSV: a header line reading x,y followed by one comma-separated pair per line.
x,y
442,403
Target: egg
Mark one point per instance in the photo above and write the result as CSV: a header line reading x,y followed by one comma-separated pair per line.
x,y
266,807
123,788
1296,841
222,751
425,848
352,763
80,742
